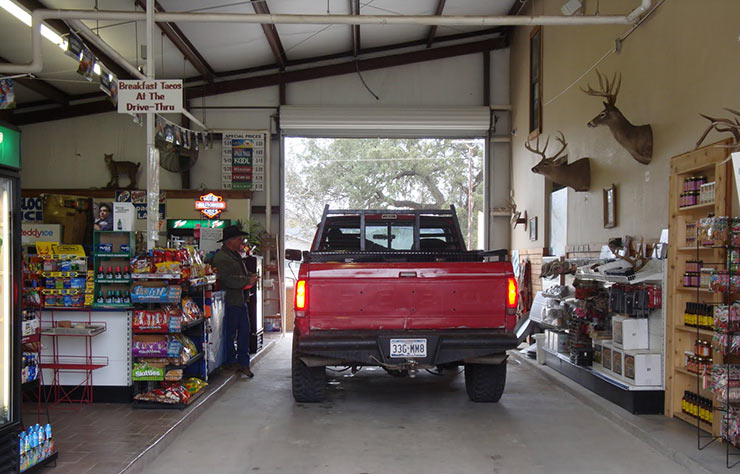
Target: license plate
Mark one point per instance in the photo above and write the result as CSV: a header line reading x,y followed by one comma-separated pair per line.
x,y
408,348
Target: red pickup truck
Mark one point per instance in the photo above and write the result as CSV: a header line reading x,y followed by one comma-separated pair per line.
x,y
398,289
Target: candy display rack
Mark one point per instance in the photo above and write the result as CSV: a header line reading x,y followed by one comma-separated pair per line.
x,y
169,330
112,252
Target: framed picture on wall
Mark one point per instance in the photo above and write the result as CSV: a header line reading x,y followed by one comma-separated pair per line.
x,y
610,207
533,228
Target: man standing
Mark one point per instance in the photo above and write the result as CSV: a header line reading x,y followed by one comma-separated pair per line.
x,y
234,278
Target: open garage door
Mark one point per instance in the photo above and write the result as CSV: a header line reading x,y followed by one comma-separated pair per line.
x,y
361,122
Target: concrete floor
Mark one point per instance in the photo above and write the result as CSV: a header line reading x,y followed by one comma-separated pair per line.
x,y
376,424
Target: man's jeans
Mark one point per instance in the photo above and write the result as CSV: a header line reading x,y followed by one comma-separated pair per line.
x,y
237,327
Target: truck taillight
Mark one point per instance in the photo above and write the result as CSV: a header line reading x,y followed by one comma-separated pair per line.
x,y
301,295
512,296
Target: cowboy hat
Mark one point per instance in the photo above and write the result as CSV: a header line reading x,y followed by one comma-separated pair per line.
x,y
232,231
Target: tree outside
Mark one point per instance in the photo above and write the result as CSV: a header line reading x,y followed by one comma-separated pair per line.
x,y
381,173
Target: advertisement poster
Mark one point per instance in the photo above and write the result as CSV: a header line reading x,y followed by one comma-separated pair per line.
x,y
87,63
243,160
103,216
7,94
138,199
123,216
32,233
32,209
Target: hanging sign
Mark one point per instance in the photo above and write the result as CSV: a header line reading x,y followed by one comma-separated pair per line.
x,y
210,205
243,160
141,96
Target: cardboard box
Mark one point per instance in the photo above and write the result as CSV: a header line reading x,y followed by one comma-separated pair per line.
x,y
643,368
617,361
630,333
606,356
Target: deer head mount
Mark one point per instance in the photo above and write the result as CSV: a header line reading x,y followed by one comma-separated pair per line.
x,y
638,258
516,216
636,139
724,125
576,175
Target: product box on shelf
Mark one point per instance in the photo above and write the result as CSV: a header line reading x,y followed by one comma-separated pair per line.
x,y
606,356
556,341
144,371
630,333
155,292
149,345
617,361
643,368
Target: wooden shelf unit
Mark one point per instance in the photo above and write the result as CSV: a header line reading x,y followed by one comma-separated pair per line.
x,y
705,161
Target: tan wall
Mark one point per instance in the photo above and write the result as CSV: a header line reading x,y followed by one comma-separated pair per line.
x,y
685,59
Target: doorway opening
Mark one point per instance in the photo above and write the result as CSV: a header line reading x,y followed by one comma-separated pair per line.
x,y
382,173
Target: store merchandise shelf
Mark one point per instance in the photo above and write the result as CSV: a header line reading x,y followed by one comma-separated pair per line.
x,y
192,361
113,306
156,276
31,338
638,278
113,280
134,299
690,419
91,331
201,281
697,206
171,406
41,464
67,308
62,291
74,362
112,255
689,329
184,327
695,248
31,382
695,289
63,274
683,370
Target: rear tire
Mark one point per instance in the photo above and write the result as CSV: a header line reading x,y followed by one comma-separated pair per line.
x,y
485,383
309,383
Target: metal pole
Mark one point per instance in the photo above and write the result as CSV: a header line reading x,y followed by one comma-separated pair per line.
x,y
152,183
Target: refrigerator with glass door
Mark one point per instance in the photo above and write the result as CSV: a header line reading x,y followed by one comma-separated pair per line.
x,y
10,284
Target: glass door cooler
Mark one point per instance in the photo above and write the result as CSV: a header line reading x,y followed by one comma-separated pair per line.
x,y
10,281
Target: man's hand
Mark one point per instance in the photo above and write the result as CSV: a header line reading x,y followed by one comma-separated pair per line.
x,y
252,281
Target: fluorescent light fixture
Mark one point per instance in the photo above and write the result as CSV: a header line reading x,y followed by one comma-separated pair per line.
x,y
96,68
20,13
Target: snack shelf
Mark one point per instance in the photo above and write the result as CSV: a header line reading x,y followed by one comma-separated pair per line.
x,y
135,299
157,355
63,274
201,281
67,308
62,291
190,362
156,276
172,406
30,382
41,464
113,280
113,306
31,338
163,330
112,255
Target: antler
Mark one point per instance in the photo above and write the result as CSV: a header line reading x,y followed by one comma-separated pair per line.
x,y
561,140
723,125
537,151
609,92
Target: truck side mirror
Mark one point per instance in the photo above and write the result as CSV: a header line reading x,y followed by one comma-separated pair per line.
x,y
293,255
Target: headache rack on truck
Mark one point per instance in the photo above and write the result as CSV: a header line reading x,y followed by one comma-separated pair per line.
x,y
361,235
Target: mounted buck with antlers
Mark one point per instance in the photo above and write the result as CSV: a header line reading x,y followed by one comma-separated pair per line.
x,y
576,175
724,125
636,139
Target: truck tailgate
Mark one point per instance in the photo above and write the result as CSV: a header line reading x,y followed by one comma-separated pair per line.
x,y
438,295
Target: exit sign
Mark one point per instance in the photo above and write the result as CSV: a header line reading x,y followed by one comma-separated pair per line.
x,y
10,147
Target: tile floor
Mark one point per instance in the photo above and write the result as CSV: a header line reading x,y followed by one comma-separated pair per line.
x,y
104,438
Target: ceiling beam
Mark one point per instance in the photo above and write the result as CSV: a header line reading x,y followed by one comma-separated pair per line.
x,y
349,54
271,34
319,72
63,29
275,79
181,42
433,28
41,87
354,6
515,10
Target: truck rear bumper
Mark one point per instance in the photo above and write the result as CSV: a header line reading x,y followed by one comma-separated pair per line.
x,y
373,347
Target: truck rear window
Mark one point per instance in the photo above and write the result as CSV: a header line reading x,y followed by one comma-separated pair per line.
x,y
388,235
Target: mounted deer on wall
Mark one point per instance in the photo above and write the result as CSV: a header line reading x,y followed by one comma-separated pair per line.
x,y
576,175
724,125
636,139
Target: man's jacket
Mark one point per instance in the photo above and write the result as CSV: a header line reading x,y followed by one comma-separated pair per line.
x,y
232,275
